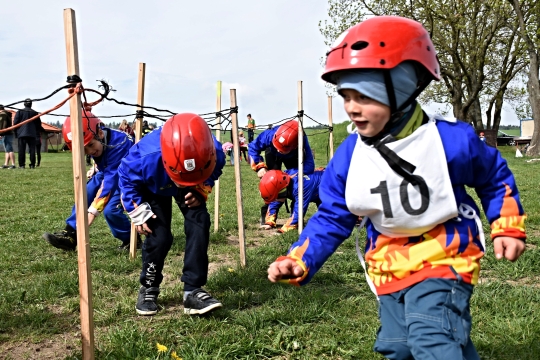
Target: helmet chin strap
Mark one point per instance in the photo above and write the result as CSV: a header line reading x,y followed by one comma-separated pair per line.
x,y
397,113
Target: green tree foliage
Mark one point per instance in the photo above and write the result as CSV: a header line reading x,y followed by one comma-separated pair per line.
x,y
478,48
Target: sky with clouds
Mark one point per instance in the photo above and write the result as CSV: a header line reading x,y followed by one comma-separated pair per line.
x,y
260,48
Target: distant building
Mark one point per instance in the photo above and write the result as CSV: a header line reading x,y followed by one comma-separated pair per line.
x,y
526,127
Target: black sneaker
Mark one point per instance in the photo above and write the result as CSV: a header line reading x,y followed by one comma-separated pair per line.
x,y
65,240
199,302
147,301
12,167
5,167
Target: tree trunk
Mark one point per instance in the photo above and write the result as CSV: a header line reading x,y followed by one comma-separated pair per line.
x,y
534,99
533,84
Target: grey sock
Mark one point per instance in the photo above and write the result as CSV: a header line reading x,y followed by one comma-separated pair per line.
x,y
186,294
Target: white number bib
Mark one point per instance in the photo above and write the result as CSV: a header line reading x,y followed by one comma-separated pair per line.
x,y
396,207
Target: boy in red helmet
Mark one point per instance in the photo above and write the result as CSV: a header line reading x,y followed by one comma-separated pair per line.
x,y
179,160
280,145
276,186
406,173
107,147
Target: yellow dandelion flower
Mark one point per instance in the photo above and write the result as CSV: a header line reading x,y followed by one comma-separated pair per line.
x,y
231,270
161,348
174,356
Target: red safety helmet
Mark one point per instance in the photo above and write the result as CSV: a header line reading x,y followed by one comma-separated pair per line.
x,y
187,149
272,183
90,124
286,137
382,42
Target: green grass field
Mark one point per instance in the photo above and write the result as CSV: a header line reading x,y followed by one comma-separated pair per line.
x,y
334,317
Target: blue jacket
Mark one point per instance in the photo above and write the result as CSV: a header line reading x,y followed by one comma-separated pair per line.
x,y
311,195
396,263
118,145
142,169
264,140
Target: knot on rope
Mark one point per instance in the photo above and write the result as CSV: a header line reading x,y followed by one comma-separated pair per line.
x,y
234,110
77,89
331,128
300,113
219,114
87,108
139,114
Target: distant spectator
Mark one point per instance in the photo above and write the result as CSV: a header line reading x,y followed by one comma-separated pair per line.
x,y
228,150
145,128
27,133
243,145
251,127
6,120
124,126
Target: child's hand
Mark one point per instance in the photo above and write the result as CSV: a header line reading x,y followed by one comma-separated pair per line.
x,y
508,247
261,172
192,200
286,268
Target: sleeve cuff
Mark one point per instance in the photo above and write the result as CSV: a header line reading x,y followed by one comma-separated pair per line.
x,y
141,214
512,226
92,210
259,166
295,281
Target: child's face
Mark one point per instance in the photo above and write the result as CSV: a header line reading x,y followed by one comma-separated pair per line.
x,y
369,116
95,146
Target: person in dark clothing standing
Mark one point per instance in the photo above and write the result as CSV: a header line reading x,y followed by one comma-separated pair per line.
x,y
27,133
38,147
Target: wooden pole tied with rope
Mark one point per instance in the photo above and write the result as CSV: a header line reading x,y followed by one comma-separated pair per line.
x,y
138,134
79,183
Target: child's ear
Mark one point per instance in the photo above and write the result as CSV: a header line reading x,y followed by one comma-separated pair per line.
x,y
101,134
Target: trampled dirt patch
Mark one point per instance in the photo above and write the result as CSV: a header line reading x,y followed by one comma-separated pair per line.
x,y
58,347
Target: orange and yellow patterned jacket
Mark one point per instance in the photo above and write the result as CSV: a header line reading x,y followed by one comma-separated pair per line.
x,y
397,263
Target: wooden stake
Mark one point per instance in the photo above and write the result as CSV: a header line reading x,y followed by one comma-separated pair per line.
x,y
331,135
138,135
79,183
300,160
218,137
238,177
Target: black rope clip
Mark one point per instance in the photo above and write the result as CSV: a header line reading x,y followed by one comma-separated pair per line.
x,y
73,79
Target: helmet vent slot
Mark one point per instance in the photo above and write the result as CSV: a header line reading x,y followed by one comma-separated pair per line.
x,y
360,45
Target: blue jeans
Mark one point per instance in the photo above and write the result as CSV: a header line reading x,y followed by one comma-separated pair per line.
x,y
8,143
429,320
113,213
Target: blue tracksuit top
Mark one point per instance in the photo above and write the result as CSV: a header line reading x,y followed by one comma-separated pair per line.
x,y
143,168
264,140
118,145
396,263
311,194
